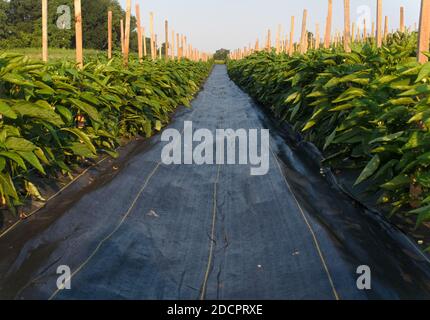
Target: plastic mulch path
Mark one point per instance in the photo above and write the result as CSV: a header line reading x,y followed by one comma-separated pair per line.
x,y
156,231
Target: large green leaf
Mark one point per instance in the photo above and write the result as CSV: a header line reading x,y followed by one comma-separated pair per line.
x,y
19,144
397,183
15,157
32,110
424,72
86,108
7,111
31,158
83,137
369,170
387,138
423,214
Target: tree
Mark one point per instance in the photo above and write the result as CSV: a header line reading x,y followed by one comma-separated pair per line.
x,y
94,15
221,54
23,24
3,18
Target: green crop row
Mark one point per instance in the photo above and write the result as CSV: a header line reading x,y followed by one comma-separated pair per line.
x,y
367,110
54,116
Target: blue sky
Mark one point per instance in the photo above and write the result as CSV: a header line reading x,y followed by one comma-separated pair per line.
x,y
230,24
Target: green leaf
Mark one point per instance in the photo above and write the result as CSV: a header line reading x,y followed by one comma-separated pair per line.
x,y
2,164
147,128
41,155
81,150
17,79
32,110
350,94
86,108
32,190
397,183
31,158
416,139
343,107
424,72
66,113
329,139
382,172
401,101
424,179
83,137
309,125
419,116
89,97
7,111
14,157
388,138
291,97
423,214
19,144
369,170
113,154
8,186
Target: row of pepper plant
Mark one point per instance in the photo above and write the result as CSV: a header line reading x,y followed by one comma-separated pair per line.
x,y
55,116
367,110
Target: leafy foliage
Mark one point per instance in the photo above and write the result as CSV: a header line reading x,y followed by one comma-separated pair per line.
x,y
21,23
221,54
368,110
53,116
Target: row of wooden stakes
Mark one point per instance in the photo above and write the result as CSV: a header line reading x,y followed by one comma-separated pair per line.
x,y
175,47
351,33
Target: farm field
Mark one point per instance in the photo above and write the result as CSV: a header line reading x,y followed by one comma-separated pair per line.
x,y
171,227
55,54
293,168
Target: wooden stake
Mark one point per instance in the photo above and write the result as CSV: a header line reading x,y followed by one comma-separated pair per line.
x,y
347,27
139,34
386,28
182,46
379,23
353,33
317,36
145,49
110,34
166,40
364,30
151,30
291,48
155,46
424,31
127,31
402,19
269,41
303,38
45,30
327,36
178,49
172,51
122,36
78,31
278,36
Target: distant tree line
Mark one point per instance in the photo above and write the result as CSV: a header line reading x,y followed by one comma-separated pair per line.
x,y
221,54
21,24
